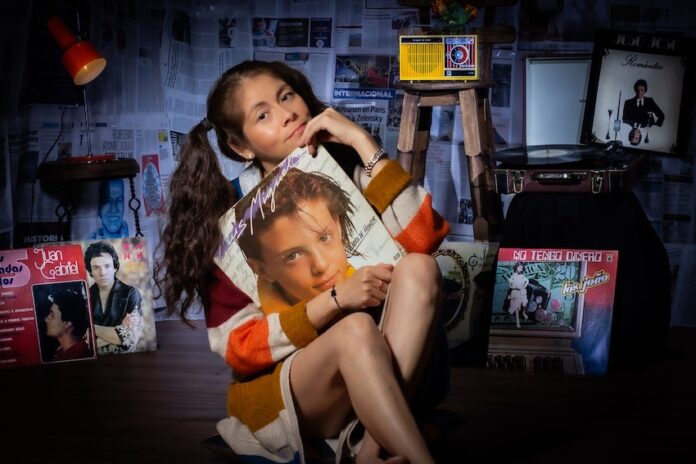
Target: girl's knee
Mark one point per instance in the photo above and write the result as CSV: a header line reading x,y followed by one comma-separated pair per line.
x,y
420,271
358,328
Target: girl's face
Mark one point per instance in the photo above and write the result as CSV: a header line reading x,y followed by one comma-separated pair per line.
x,y
303,253
274,119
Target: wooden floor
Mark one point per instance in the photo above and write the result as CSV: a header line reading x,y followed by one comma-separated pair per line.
x,y
156,407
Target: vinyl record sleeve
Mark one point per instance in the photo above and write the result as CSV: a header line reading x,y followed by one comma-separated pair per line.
x,y
367,242
32,281
554,303
663,65
133,272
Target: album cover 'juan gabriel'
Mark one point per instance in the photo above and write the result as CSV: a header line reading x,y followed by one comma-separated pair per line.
x,y
552,310
44,306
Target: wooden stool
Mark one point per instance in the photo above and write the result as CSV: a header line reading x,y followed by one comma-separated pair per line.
x,y
472,98
479,143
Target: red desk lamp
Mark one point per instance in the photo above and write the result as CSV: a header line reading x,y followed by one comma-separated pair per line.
x,y
84,64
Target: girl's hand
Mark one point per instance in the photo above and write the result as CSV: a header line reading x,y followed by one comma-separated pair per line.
x,y
366,288
332,126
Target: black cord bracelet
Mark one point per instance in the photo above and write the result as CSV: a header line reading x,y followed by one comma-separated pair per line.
x,y
333,295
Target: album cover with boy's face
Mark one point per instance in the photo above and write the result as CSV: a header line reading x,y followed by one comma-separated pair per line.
x,y
302,230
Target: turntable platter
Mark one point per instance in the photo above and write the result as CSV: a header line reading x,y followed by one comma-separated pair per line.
x,y
548,154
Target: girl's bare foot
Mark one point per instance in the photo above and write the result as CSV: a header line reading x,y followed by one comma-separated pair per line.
x,y
396,460
370,453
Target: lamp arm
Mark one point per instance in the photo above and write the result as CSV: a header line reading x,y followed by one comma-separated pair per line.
x,y
87,128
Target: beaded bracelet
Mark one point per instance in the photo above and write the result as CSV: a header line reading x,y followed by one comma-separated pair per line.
x,y
381,153
333,295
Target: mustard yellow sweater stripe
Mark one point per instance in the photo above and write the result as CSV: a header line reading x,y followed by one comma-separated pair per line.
x,y
243,399
386,185
297,326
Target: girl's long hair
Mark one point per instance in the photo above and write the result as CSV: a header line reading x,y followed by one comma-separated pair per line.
x,y
199,194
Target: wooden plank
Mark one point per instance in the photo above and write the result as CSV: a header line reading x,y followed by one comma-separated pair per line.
x,y
470,122
157,407
409,123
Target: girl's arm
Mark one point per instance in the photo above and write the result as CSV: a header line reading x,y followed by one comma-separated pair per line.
x,y
248,340
406,209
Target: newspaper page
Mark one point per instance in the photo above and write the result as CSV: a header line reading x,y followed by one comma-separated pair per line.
x,y
364,77
374,29
196,50
447,180
128,36
296,8
265,237
371,116
312,64
381,27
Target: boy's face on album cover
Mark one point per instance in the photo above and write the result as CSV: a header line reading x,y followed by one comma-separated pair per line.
x,y
303,252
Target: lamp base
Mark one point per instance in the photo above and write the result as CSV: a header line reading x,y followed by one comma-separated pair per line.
x,y
93,167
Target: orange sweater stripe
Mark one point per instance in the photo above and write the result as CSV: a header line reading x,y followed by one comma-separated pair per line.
x,y
250,338
425,231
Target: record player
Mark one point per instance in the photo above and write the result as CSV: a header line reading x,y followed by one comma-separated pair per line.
x,y
568,168
636,98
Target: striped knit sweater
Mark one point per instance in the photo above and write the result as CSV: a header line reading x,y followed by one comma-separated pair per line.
x,y
255,341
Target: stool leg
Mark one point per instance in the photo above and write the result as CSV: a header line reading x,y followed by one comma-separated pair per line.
x,y
414,134
478,144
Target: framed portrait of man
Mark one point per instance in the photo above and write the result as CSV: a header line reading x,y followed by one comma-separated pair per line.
x,y
638,94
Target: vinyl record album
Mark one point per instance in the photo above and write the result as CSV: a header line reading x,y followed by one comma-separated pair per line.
x,y
548,154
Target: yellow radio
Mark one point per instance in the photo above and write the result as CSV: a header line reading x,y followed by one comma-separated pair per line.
x,y
433,58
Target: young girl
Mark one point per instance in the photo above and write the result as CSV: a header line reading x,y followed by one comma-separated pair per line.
x,y
296,376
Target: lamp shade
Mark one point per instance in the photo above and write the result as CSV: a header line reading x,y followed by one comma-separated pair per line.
x,y
80,58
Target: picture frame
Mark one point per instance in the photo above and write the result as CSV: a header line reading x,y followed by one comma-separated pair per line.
x,y
622,63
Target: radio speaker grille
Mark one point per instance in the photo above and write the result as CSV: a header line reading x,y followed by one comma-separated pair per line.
x,y
422,61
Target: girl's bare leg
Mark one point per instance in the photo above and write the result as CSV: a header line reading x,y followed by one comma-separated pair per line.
x,y
350,367
410,315
409,323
